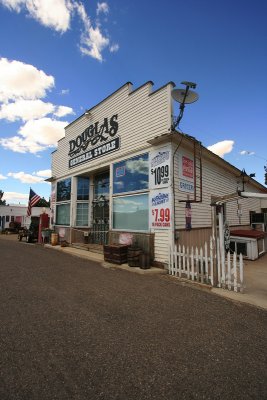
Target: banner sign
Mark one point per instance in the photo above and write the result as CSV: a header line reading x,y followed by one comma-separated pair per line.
x,y
98,151
159,168
160,208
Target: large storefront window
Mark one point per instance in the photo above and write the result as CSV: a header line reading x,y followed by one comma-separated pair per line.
x,y
64,190
131,212
82,214
82,188
131,175
63,214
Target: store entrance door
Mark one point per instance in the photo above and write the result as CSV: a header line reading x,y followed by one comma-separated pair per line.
x,y
99,234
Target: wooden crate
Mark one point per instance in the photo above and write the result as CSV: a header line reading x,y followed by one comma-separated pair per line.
x,y
115,253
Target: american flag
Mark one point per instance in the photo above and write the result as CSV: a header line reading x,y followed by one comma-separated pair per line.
x,y
33,199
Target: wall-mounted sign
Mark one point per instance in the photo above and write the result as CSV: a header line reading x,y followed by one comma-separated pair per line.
x,y
160,206
91,136
185,186
186,173
159,168
96,152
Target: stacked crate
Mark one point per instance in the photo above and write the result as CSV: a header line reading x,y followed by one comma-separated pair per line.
x,y
115,253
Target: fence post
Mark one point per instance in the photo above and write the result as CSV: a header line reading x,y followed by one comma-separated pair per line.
x,y
211,263
206,262
180,264
235,272
218,263
175,259
241,272
197,265
201,265
229,275
192,264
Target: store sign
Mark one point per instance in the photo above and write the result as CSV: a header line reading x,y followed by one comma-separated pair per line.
x,y
186,173
95,134
96,152
160,206
159,168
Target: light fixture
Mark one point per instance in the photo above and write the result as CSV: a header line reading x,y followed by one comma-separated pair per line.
x,y
88,115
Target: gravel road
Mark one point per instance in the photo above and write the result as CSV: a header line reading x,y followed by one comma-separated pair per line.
x,y
72,329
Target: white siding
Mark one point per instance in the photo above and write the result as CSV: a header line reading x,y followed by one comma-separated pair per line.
x,y
216,181
162,242
142,115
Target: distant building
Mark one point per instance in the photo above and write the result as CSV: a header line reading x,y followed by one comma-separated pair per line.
x,y
18,213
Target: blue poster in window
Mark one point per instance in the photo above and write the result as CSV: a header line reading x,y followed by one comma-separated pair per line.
x,y
120,171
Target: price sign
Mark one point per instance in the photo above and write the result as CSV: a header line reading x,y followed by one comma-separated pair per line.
x,y
160,209
159,168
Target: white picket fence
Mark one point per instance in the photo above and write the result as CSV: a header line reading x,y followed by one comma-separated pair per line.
x,y
230,270
201,265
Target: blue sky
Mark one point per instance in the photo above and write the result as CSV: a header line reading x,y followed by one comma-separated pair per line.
x,y
61,57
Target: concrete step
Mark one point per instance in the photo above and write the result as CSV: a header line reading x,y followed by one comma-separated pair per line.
x,y
94,248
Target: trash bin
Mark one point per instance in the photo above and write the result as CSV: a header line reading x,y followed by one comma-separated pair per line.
x,y
144,261
54,239
133,256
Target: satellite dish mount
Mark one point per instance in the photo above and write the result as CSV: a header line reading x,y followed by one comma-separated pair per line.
x,y
184,96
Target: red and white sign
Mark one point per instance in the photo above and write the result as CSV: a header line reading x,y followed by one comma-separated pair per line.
x,y
187,167
186,173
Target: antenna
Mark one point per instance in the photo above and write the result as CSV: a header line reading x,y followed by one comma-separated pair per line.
x,y
184,96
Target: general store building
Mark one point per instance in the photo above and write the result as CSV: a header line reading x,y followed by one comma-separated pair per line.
x,y
122,174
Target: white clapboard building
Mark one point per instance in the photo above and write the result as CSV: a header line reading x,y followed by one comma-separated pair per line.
x,y
18,213
122,174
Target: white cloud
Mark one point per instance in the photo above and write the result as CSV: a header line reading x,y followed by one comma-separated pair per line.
x,y
46,173
114,48
55,14
61,111
25,110
44,131
2,177
31,109
22,81
247,153
26,178
64,92
102,8
93,42
35,136
222,148
15,197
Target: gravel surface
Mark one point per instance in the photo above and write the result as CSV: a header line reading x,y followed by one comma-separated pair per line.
x,y
71,329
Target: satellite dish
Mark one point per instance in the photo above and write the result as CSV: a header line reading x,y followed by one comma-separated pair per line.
x,y
184,96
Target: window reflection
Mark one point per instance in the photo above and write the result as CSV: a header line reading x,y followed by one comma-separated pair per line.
x,y
131,175
131,212
82,188
64,190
